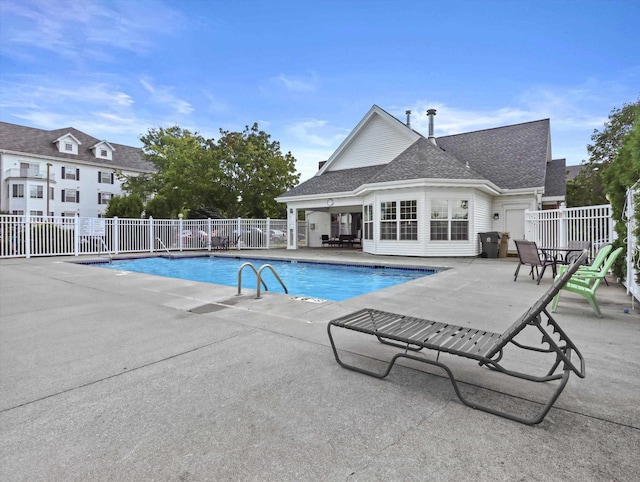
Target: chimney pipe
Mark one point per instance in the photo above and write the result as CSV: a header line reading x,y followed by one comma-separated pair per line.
x,y
431,113
408,112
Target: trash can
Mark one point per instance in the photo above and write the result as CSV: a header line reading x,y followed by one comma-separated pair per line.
x,y
490,243
504,245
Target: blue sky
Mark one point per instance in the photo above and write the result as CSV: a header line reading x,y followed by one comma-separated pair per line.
x,y
308,71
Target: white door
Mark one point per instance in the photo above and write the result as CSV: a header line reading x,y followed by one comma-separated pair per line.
x,y
514,225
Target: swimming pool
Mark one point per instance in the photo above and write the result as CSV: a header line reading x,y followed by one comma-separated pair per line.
x,y
327,281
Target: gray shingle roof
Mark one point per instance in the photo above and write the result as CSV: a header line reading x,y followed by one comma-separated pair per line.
x,y
40,142
513,157
345,180
423,160
556,184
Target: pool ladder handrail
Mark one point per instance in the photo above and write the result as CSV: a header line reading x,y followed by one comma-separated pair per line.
x,y
259,278
161,243
106,250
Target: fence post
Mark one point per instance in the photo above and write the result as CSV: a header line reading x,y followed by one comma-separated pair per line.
x,y
180,240
562,225
209,234
152,238
76,234
116,235
268,233
238,233
27,235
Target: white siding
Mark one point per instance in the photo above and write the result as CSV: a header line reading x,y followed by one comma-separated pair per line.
x,y
378,143
479,220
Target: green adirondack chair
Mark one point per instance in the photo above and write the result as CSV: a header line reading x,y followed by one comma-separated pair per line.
x,y
585,282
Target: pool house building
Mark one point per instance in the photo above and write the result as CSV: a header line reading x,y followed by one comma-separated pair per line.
x,y
400,193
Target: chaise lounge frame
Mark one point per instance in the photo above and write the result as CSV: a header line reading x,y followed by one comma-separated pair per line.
x,y
415,334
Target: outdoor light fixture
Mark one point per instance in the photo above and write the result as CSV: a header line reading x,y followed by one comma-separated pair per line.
x,y
496,215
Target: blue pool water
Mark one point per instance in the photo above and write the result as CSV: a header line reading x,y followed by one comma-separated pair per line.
x,y
333,282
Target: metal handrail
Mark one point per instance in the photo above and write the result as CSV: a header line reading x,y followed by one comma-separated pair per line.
x,y
103,244
274,274
163,245
250,265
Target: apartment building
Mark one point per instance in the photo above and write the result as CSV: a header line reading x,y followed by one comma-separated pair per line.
x,y
62,172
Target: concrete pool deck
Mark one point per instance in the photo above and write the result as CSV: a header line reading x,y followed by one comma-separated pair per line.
x,y
108,375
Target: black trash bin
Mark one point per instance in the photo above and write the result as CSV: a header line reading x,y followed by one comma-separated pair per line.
x,y
490,244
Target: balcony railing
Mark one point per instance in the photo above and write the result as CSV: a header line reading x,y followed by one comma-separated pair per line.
x,y
29,174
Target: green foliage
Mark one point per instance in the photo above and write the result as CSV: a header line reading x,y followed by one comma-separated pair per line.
x,y
586,188
616,152
130,206
239,175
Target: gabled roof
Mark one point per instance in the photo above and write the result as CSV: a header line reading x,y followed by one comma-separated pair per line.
x,y
40,142
64,136
511,157
95,146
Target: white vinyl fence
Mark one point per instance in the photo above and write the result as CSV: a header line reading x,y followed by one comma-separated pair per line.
x,y
633,248
26,236
556,227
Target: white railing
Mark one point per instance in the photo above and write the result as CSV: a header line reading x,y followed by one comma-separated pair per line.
x,y
557,227
26,236
633,248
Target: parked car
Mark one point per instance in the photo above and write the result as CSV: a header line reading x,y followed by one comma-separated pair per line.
x,y
193,238
278,236
250,237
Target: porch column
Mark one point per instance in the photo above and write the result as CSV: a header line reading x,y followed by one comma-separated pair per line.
x,y
292,228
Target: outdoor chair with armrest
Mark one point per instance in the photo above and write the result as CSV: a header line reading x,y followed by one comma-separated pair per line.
x,y
415,334
585,282
529,254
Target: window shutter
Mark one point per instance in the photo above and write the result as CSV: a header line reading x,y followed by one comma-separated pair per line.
x,y
77,196
63,190
62,172
99,177
77,174
99,198
112,178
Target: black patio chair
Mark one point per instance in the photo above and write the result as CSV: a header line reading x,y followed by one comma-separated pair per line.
x,y
530,255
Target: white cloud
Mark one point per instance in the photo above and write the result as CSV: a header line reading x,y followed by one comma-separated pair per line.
x,y
164,96
317,132
298,84
85,30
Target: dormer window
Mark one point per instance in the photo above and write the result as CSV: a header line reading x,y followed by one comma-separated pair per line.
x,y
103,150
67,144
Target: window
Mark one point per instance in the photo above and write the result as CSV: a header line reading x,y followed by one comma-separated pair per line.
x,y
449,220
105,177
70,196
388,220
409,220
70,173
399,220
68,214
368,221
103,152
104,197
36,192
35,213
18,190
68,147
18,212
51,193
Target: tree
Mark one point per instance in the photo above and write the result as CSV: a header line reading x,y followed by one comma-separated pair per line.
x,y
130,206
586,188
616,150
240,175
256,173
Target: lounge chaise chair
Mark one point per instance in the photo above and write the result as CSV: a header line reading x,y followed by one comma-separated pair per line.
x,y
585,282
414,334
529,254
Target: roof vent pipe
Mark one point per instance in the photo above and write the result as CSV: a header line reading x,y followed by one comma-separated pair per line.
x,y
408,112
431,113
